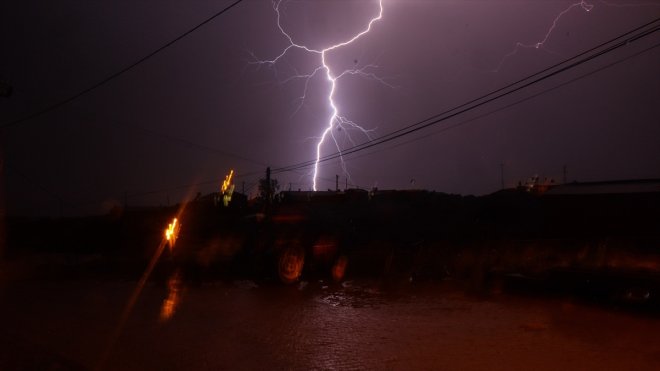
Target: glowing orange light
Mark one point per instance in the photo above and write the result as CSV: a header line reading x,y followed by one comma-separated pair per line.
x,y
339,268
227,182
172,232
291,264
227,188
173,297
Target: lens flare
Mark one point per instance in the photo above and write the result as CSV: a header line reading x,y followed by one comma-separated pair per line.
x,y
227,188
339,268
173,297
226,184
290,264
172,233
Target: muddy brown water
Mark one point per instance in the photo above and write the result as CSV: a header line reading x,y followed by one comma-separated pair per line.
x,y
362,324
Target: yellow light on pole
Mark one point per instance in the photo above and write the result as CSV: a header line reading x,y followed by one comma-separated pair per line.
x,y
227,182
172,232
227,188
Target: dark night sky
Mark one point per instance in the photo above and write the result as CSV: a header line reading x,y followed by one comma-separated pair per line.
x,y
199,108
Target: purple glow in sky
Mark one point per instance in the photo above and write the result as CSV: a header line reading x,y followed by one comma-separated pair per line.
x,y
336,120
202,107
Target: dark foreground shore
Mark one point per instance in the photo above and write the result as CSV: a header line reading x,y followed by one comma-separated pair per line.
x,y
399,280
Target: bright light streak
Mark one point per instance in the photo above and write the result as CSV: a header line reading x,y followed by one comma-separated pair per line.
x,y
227,189
172,232
227,182
169,232
170,304
582,4
128,308
335,119
539,44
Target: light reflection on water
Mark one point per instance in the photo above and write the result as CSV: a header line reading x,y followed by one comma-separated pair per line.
x,y
355,325
174,292
352,296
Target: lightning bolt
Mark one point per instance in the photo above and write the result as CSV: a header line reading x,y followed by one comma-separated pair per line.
x,y
335,119
539,44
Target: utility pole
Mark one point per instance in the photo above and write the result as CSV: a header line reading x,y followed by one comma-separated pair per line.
x,y
346,186
336,182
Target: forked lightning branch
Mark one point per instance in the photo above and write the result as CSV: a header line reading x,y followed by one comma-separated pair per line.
x,y
336,119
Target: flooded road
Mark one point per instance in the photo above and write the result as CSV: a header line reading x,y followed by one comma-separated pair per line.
x,y
65,325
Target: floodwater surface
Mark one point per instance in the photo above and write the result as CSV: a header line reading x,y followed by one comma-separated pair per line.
x,y
66,325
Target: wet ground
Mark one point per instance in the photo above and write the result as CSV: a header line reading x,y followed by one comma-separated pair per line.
x,y
361,324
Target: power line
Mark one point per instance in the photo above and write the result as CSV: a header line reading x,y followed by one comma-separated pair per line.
x,y
497,94
470,104
116,74
189,143
188,186
465,107
33,181
632,36
525,99
46,190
